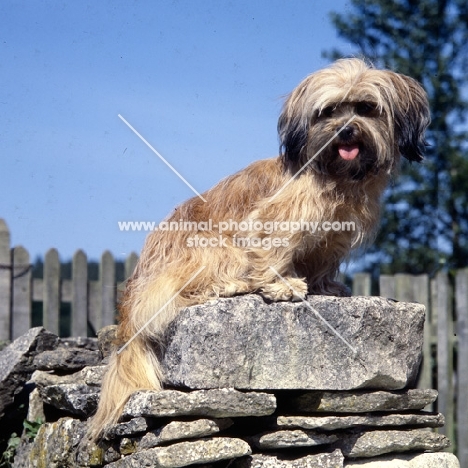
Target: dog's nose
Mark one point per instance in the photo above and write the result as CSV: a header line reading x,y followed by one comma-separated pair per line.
x,y
346,133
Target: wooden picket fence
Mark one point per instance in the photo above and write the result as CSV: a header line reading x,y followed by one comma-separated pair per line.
x,y
92,303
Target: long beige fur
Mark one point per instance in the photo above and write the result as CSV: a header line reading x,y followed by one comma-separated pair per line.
x,y
308,181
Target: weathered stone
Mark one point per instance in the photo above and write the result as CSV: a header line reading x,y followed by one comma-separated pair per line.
x,y
92,375
107,338
374,443
177,430
222,403
362,401
330,423
77,399
323,460
35,407
83,342
67,359
45,378
129,428
55,446
295,438
423,460
245,343
17,362
186,453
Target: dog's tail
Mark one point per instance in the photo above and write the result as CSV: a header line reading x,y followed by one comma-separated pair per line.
x,y
145,314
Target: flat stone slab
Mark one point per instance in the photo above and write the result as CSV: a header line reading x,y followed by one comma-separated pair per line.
x,y
186,453
362,401
294,438
331,423
375,443
78,399
324,343
222,403
322,460
423,460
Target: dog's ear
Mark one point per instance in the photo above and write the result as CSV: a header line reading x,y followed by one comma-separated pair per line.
x,y
292,136
293,125
412,117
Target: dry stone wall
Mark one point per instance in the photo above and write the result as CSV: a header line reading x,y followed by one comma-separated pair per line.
x,y
327,383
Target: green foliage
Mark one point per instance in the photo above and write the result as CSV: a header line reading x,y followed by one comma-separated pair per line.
x,y
31,429
425,219
6,460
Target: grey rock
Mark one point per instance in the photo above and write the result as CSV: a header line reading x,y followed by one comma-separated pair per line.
x,y
330,423
294,438
17,362
35,407
107,339
129,428
362,401
45,378
83,342
77,399
56,444
374,443
67,359
92,375
222,403
177,430
423,460
186,453
326,343
323,460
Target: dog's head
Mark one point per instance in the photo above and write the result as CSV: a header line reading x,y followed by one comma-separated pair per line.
x,y
353,120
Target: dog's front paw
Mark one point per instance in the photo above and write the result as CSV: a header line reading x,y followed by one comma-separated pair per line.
x,y
291,289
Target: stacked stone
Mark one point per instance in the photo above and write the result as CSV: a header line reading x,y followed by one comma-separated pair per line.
x,y
323,383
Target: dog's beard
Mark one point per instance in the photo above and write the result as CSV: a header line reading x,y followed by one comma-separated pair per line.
x,y
364,147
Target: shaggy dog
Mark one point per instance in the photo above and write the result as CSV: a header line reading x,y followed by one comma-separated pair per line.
x,y
342,132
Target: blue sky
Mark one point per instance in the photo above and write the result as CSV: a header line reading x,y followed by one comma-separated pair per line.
x,y
202,81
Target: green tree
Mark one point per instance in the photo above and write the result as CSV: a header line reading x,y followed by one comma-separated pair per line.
x,y
425,217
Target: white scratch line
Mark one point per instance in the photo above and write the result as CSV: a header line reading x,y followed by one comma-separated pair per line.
x,y
160,310
354,350
160,156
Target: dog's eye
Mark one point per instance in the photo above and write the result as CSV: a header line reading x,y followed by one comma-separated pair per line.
x,y
327,112
365,108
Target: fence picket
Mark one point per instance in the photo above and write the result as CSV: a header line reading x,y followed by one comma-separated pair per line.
x,y
5,282
108,288
21,295
79,308
51,307
461,309
387,286
362,284
420,285
445,354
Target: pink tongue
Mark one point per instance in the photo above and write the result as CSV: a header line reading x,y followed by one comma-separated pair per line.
x,y
348,152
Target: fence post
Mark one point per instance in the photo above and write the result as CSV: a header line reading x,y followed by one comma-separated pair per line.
x,y
5,282
445,354
130,264
21,302
387,286
421,295
51,304
79,307
461,304
362,284
108,288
